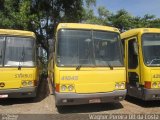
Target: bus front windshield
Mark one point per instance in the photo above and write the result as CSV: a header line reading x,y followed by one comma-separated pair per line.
x,y
151,49
19,51
88,48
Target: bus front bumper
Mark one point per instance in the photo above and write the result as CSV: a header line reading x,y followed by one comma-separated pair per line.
x,y
77,99
151,94
18,93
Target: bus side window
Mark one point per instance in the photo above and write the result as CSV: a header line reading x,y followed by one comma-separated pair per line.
x,y
132,55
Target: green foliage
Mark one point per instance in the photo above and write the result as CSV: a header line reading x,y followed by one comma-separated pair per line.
x,y
101,19
42,16
103,12
39,16
121,19
90,3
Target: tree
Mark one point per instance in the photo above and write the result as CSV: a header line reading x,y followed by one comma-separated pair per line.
x,y
90,3
39,16
42,16
89,14
122,20
146,21
52,12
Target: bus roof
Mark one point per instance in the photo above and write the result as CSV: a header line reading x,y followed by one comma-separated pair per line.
x,y
16,32
137,31
86,26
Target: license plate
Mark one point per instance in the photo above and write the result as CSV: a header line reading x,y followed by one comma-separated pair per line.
x,y
3,96
94,101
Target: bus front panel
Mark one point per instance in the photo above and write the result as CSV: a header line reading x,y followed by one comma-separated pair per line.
x,y
18,71
89,67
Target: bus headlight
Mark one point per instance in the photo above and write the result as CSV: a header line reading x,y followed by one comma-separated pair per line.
x,y
24,83
70,88
27,83
120,85
154,84
30,83
67,88
117,85
63,87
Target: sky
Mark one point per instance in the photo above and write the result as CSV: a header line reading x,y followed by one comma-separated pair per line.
x,y
134,7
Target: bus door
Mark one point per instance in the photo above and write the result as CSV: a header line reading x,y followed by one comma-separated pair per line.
x,y
133,68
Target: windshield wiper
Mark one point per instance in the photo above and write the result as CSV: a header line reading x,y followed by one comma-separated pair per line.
x,y
109,65
21,59
78,67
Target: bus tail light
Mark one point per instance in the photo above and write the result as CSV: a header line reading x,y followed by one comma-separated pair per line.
x,y
147,84
57,87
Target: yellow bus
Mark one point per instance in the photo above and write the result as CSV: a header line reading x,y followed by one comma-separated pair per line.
x,y
142,61
88,65
19,74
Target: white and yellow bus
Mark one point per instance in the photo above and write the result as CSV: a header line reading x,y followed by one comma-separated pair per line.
x,y
87,65
142,61
19,73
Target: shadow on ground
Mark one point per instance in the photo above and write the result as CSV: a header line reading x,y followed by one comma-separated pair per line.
x,y
42,93
146,104
89,108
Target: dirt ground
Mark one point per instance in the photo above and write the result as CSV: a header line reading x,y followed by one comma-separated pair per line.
x,y
45,104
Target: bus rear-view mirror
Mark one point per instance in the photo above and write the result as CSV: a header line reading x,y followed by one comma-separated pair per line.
x,y
135,48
